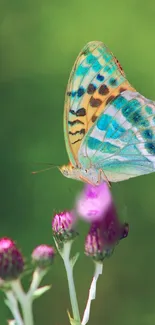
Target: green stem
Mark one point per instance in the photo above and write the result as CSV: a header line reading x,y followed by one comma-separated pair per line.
x,y
25,301
13,305
69,270
27,311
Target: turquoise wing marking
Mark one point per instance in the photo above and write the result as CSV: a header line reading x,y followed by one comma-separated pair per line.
x,y
122,140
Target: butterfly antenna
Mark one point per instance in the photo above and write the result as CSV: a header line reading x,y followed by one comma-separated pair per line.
x,y
44,170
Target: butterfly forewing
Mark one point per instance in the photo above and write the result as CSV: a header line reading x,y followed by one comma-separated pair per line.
x,y
96,79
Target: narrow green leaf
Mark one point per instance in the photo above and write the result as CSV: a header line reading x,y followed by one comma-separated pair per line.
x,y
40,291
73,321
57,246
74,259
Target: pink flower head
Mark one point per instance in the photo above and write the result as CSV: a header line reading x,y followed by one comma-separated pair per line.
x,y
11,260
94,201
96,205
94,244
43,256
63,225
102,239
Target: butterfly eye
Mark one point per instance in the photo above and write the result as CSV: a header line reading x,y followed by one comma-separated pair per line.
x,y
64,170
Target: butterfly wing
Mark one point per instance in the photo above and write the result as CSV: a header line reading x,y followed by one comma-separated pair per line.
x,y
122,140
96,79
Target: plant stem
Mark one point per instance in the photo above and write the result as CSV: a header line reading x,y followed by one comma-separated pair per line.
x,y
37,277
27,311
25,301
13,306
69,270
92,292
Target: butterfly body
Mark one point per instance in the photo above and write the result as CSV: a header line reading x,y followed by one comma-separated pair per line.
x,y
91,175
109,127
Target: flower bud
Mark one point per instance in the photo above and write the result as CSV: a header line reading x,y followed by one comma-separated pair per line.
x,y
11,260
43,255
63,225
94,245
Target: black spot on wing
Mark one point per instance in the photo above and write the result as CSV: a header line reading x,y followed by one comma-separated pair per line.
x,y
76,141
82,131
103,90
110,98
79,112
94,117
91,89
95,102
75,122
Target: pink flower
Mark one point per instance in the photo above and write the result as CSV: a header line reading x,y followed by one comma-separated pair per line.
x,y
103,237
43,256
94,245
63,225
95,205
94,201
11,260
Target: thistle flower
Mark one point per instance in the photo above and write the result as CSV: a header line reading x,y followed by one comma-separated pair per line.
x,y
11,260
63,225
43,256
95,244
106,229
93,202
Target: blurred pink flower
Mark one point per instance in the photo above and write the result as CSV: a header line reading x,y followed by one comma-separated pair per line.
x,y
94,201
43,256
95,204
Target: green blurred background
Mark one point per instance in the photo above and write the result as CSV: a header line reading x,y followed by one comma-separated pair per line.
x,y
39,41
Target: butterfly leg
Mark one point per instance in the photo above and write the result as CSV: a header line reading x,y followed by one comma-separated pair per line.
x,y
86,180
104,177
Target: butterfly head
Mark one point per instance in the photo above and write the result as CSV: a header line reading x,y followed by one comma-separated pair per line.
x,y
71,171
67,170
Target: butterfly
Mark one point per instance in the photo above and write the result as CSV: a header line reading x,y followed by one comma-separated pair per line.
x,y
109,127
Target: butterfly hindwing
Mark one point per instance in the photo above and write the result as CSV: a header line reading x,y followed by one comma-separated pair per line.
x,y
96,79
122,140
